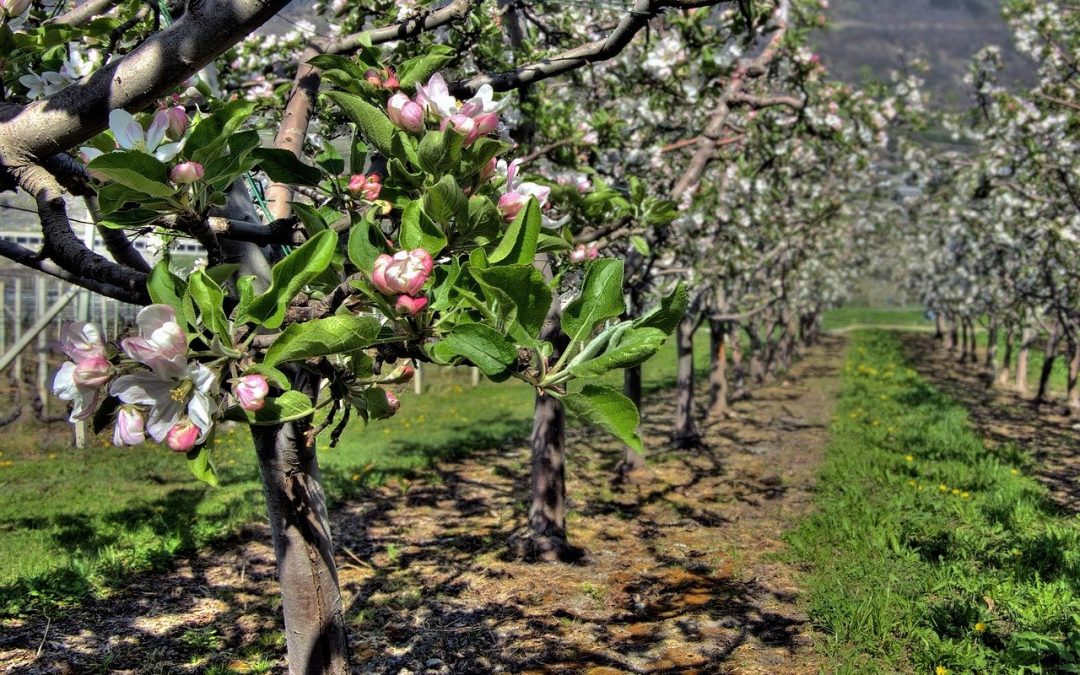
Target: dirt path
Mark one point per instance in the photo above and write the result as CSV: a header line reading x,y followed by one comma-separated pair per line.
x,y
679,575
1003,416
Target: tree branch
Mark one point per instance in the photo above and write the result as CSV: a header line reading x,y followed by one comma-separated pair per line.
x,y
83,13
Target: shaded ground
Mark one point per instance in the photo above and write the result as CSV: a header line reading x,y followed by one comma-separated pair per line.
x,y
1002,416
679,577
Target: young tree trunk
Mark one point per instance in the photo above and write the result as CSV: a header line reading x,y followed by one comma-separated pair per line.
x,y
1074,374
718,386
1006,359
738,365
963,340
685,434
939,327
973,350
1027,335
546,539
757,364
1048,363
315,633
952,343
632,461
990,362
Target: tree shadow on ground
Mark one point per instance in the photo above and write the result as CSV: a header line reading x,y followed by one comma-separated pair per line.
x,y
675,577
1006,419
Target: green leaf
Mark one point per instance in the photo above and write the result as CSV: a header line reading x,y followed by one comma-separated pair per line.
x,y
608,409
165,288
418,230
418,69
493,353
522,295
439,151
667,315
484,220
518,245
289,407
445,201
282,166
375,126
310,217
640,245
212,133
635,347
363,245
210,300
221,273
321,337
136,170
289,276
201,466
601,298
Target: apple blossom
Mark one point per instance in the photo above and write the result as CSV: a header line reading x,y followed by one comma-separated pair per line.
x,y
392,401
404,272
83,398
518,192
178,122
251,391
130,428
13,8
188,393
162,344
185,173
81,340
129,134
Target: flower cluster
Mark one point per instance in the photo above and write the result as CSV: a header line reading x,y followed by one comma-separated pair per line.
x,y
165,394
479,116
519,192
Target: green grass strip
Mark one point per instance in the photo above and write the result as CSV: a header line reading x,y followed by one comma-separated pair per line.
x,y
928,552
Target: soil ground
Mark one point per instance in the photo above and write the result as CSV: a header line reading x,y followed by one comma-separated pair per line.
x,y
680,573
1001,415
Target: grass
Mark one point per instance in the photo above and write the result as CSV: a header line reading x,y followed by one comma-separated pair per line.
x,y
76,522
927,551
846,317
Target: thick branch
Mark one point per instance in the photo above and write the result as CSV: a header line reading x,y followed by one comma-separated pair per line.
x,y
28,258
83,13
133,81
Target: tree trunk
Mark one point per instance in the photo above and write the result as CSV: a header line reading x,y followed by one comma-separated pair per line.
x,y
1074,374
1027,336
718,386
685,434
1048,363
973,349
757,365
546,538
952,341
1006,359
632,461
963,340
939,327
315,633
990,363
738,365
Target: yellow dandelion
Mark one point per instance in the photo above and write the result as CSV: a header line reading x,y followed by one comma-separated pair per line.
x,y
6,463
912,483
965,495
909,458
355,477
943,487
980,627
1015,472
956,491
941,670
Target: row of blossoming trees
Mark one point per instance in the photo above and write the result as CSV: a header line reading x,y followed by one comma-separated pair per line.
x,y
993,238
543,193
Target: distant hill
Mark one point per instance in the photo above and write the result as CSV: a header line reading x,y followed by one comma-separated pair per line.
x,y
869,38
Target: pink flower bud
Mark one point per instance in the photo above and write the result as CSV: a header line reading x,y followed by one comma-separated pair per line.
x,y
462,124
578,254
392,401
404,272
372,76
186,172
391,81
511,203
405,113
251,391
130,428
592,251
409,305
183,435
403,373
489,168
178,123
367,186
486,123
92,372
